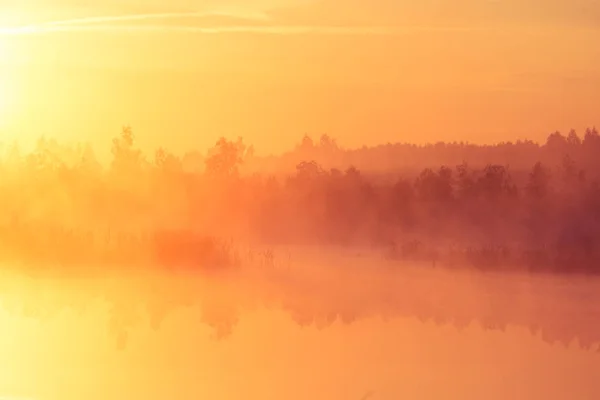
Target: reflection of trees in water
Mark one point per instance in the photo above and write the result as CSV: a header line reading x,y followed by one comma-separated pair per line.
x,y
122,317
221,317
563,310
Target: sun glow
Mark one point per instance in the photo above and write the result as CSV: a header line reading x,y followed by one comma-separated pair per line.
x,y
4,103
5,92
3,50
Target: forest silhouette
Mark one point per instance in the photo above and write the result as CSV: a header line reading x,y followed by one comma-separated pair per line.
x,y
512,205
499,209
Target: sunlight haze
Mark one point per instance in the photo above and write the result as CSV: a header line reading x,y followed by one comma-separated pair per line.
x,y
364,72
299,199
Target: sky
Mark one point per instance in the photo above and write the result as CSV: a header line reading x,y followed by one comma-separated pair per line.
x,y
183,72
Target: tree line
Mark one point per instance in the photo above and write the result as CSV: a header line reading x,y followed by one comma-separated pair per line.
x,y
60,203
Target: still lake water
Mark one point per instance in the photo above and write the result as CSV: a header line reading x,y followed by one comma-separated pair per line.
x,y
60,338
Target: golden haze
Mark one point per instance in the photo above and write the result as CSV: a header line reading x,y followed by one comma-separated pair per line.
x,y
338,268
476,74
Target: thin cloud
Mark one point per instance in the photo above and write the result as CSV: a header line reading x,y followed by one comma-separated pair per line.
x,y
112,24
146,17
268,29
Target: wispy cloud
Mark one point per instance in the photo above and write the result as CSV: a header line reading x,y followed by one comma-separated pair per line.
x,y
258,16
326,17
205,22
331,17
269,29
132,22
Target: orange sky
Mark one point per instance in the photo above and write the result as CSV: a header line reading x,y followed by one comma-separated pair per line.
x,y
183,72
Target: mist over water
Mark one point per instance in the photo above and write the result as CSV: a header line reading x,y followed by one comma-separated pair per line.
x,y
322,325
